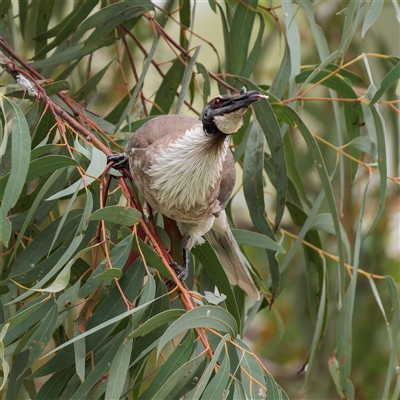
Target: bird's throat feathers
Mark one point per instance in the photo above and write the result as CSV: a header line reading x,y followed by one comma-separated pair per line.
x,y
188,168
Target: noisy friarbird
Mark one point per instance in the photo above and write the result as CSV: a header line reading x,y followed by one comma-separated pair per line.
x,y
184,169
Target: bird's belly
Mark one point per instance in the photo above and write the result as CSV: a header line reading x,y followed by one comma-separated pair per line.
x,y
200,211
177,196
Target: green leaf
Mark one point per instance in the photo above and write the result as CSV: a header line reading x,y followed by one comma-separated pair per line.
x,y
209,370
349,28
67,255
257,240
167,90
64,300
206,86
4,364
118,214
139,83
110,17
294,43
118,370
90,84
20,154
345,333
95,169
105,324
256,50
151,257
253,369
43,10
353,130
43,191
253,165
390,79
32,254
295,182
394,298
366,145
319,327
109,273
42,336
102,367
54,385
382,162
27,316
60,282
200,317
318,160
155,322
187,77
373,13
216,388
19,362
282,77
227,41
66,26
313,265
176,360
4,6
209,260
274,391
182,380
318,33
47,164
131,284
336,82
240,33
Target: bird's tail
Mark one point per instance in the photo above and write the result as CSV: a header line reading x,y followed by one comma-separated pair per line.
x,y
225,246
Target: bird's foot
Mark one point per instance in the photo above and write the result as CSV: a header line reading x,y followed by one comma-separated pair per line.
x,y
181,273
120,161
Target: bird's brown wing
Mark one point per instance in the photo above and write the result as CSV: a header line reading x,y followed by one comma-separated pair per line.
x,y
228,178
164,128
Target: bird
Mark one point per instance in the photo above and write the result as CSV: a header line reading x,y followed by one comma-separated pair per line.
x,y
184,169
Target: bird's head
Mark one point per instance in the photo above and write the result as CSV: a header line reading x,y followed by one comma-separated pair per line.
x,y
224,113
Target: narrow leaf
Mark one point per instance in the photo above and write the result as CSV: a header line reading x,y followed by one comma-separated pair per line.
x,y
178,358
41,338
118,214
155,322
382,162
204,316
257,240
20,154
209,370
393,361
216,388
95,169
207,85
118,370
187,76
390,79
373,13
90,84
209,260
47,164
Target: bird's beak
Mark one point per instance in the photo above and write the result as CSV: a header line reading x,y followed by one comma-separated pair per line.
x,y
244,99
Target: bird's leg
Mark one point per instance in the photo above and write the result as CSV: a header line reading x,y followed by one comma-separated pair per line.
x,y
181,271
120,160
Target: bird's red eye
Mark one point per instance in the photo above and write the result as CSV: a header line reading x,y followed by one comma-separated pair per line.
x,y
216,102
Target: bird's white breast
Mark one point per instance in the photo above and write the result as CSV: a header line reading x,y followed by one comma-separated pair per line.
x,y
183,172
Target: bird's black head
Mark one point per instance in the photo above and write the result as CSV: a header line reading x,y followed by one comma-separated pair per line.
x,y
224,113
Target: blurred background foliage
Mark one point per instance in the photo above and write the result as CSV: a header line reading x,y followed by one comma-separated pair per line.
x,y
326,173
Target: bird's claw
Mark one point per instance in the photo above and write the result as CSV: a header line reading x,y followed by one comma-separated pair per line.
x,y
120,160
181,273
